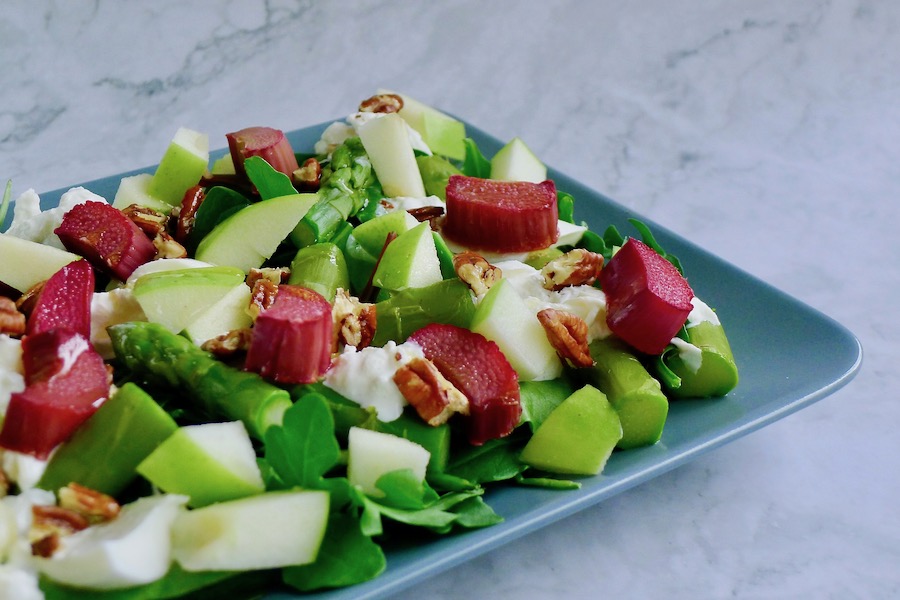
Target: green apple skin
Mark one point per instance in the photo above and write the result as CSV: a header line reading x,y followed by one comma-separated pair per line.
x,y
26,263
181,167
410,261
250,236
516,162
227,314
503,318
718,373
266,531
135,189
103,454
443,134
577,438
371,454
211,462
372,234
133,549
632,391
386,141
176,298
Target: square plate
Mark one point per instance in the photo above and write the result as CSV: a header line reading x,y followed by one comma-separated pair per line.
x,y
789,356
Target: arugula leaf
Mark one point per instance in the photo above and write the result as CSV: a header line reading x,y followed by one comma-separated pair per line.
x,y
647,238
269,182
403,490
495,460
303,448
4,204
539,398
475,164
548,482
474,512
565,204
347,557
219,204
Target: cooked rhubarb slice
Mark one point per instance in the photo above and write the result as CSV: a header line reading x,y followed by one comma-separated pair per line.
x,y
106,237
265,142
478,369
65,300
648,300
291,340
66,381
501,216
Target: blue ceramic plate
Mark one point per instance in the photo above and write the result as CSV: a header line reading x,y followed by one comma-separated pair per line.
x,y
789,356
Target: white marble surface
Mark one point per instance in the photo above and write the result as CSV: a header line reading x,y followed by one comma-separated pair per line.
x,y
767,131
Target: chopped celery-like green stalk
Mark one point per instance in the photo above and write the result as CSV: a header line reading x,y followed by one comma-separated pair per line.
x,y
322,268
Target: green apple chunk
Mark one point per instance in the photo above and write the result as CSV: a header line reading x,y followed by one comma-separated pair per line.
x,y
174,299
227,314
251,235
443,134
26,263
267,531
210,462
632,391
386,141
410,261
133,549
103,453
372,234
516,162
578,437
503,317
181,167
136,190
374,453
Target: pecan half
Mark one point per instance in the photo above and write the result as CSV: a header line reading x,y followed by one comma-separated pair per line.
x,y
12,322
426,213
167,247
228,343
434,398
308,177
152,222
475,271
95,506
381,103
262,296
26,301
354,321
274,274
575,267
49,524
567,334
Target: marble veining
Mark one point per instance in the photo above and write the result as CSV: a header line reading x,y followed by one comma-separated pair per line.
x,y
765,131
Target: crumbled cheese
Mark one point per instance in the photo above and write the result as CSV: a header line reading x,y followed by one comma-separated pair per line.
x,y
31,223
409,203
701,313
12,378
689,353
23,469
367,376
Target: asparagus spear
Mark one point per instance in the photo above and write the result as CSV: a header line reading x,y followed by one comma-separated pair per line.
x,y
155,354
707,371
320,267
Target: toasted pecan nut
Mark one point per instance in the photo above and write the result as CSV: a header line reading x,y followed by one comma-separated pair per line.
x,y
308,177
426,213
274,274
49,524
575,267
434,398
167,247
96,506
12,322
382,103
152,222
475,271
354,321
567,334
25,303
229,343
262,296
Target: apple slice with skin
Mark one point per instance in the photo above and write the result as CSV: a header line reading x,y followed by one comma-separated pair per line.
x,y
443,134
374,453
135,189
410,261
266,531
26,263
175,299
372,234
503,317
183,164
386,141
227,314
516,162
211,462
578,437
250,236
132,549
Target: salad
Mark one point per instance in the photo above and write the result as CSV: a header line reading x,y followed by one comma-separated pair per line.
x,y
264,370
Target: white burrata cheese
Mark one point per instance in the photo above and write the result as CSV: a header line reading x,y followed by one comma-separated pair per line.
x,y
339,132
12,377
23,469
31,223
701,313
584,301
367,376
688,352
